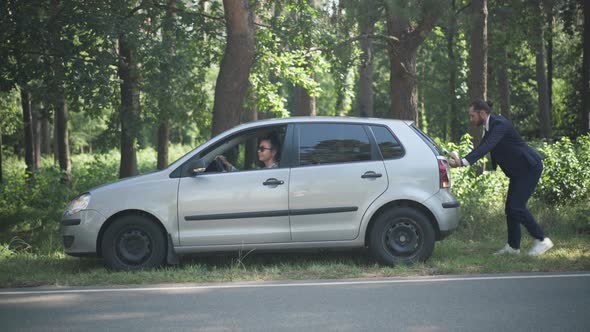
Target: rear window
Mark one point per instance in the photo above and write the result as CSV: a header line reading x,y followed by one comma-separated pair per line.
x,y
435,148
333,143
389,146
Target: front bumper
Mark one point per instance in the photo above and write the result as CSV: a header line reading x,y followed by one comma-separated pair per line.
x,y
80,232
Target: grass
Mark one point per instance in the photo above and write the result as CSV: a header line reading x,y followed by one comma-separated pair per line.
x,y
452,256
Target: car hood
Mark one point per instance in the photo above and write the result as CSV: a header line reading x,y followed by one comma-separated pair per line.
x,y
127,182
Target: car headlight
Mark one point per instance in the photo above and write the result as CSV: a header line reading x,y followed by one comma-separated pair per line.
x,y
79,203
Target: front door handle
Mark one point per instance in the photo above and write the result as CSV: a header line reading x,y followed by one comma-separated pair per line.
x,y
273,182
371,175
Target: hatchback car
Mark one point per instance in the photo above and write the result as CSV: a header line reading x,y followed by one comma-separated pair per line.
x,y
336,183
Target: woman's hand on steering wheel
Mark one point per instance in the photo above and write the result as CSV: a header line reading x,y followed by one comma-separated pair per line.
x,y
220,161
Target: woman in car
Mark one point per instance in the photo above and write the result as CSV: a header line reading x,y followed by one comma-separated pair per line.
x,y
268,151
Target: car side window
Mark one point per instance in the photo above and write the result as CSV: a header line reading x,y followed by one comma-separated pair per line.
x,y
389,146
240,152
332,143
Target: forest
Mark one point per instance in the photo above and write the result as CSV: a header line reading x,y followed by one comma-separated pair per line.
x,y
92,91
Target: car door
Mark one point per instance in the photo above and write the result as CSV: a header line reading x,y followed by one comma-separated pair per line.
x,y
239,207
337,176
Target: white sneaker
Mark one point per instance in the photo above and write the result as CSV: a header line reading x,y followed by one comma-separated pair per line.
x,y
507,250
540,247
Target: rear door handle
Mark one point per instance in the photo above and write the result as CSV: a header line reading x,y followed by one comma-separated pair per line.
x,y
273,182
371,175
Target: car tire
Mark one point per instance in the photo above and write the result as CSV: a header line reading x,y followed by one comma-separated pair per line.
x,y
133,242
402,235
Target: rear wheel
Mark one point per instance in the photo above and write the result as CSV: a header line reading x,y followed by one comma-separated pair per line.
x,y
402,235
133,242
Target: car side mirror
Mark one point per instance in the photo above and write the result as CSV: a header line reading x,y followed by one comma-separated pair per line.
x,y
198,167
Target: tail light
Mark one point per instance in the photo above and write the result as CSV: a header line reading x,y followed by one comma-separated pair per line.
x,y
444,174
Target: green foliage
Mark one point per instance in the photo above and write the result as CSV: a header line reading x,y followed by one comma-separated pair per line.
x,y
573,218
285,56
434,73
567,83
10,112
5,251
282,67
566,177
31,209
486,190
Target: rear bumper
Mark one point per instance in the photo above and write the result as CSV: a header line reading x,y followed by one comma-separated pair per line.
x,y
447,211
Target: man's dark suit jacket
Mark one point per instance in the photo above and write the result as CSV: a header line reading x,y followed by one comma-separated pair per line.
x,y
506,147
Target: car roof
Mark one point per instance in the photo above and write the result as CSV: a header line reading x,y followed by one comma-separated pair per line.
x,y
319,119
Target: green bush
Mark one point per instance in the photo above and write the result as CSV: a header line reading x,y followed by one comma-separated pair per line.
x,y
566,177
560,198
487,190
32,209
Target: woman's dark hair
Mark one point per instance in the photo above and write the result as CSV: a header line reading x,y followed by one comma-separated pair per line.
x,y
480,105
275,143
273,139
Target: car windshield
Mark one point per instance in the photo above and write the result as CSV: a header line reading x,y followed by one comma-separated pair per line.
x,y
189,152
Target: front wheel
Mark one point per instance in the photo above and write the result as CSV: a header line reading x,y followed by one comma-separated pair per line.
x,y
133,242
402,235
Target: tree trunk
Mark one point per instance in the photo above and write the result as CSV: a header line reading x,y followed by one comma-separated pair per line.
x,y
63,146
1,162
402,56
165,102
548,11
454,122
478,62
58,98
232,82
25,97
163,138
503,78
585,123
543,93
36,117
304,103
54,141
403,90
45,133
504,84
367,20
129,111
550,57
538,42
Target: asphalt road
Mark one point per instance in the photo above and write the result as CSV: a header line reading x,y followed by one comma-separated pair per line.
x,y
521,302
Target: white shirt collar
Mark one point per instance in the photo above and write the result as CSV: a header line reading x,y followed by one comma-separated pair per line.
x,y
488,123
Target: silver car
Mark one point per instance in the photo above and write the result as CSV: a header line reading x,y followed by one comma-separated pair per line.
x,y
336,183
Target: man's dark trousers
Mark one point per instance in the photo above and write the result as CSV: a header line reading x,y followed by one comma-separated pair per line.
x,y
520,190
